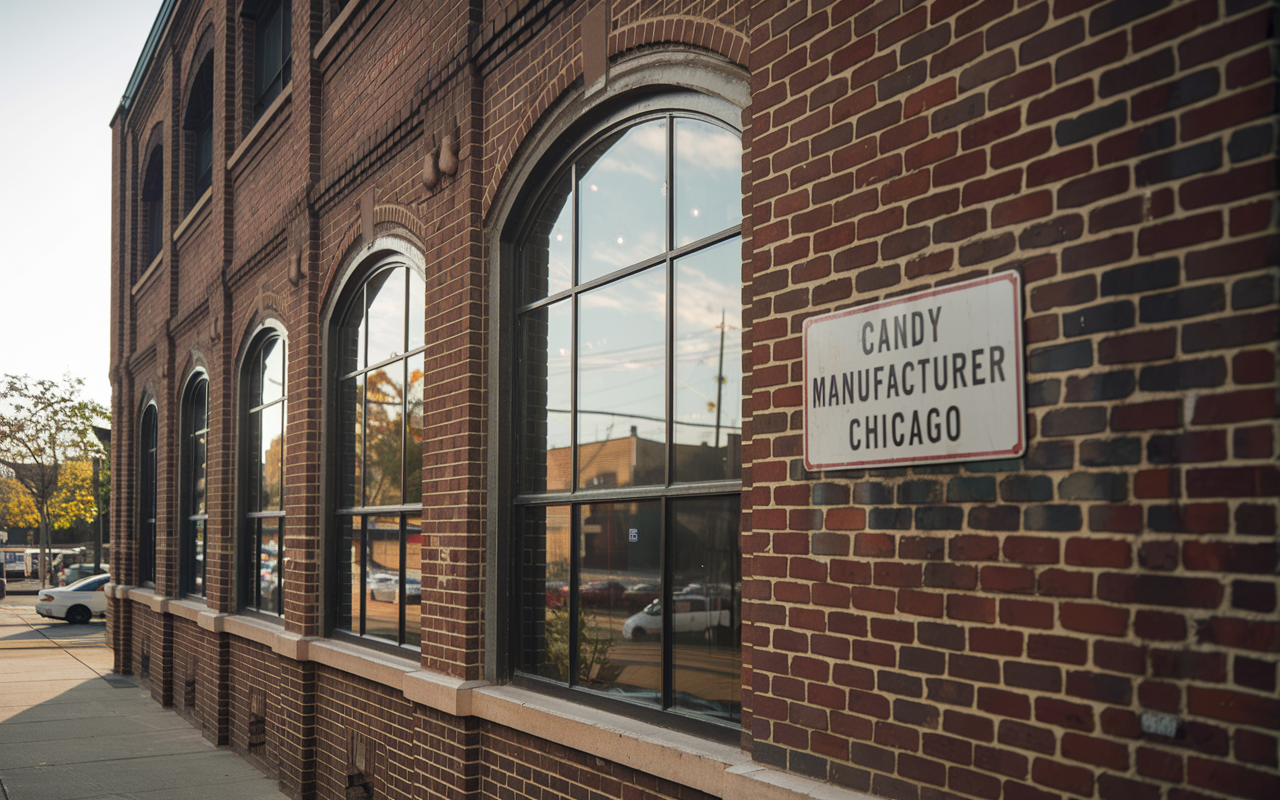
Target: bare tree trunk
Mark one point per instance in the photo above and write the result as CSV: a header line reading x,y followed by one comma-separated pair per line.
x,y
44,546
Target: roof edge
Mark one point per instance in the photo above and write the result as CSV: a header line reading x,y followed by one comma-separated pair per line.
x,y
144,60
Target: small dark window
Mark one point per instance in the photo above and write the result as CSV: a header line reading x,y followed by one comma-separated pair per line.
x,y
153,207
195,515
272,51
198,132
263,550
147,498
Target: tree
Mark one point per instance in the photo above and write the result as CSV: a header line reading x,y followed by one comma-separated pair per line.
x,y
46,426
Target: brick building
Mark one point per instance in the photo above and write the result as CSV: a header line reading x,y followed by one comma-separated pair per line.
x,y
460,399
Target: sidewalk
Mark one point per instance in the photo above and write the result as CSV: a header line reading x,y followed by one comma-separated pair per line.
x,y
70,730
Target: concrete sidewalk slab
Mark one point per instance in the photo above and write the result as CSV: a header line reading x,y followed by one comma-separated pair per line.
x,y
66,733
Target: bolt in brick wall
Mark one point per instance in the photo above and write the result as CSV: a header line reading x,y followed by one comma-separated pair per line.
x,y
996,629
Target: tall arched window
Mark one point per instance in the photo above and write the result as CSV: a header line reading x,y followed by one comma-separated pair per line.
x,y
380,369
152,240
195,514
147,496
197,126
263,550
628,474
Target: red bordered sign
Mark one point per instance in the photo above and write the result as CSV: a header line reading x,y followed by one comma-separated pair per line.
x,y
933,377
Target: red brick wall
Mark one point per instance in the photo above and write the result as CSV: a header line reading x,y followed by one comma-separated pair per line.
x,y
995,629
984,630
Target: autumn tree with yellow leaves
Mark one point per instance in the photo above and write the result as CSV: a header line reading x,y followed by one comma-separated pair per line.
x,y
46,443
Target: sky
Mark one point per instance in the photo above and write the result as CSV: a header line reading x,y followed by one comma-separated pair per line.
x,y
65,64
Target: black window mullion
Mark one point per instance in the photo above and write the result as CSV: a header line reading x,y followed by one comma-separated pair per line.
x,y
575,534
404,589
666,568
365,552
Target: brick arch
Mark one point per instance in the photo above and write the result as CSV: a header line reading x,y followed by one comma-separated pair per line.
x,y
395,214
695,31
675,29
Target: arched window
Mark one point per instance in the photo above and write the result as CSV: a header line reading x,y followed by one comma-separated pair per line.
x,y
152,239
628,404
379,373
147,496
197,126
195,514
262,553
271,53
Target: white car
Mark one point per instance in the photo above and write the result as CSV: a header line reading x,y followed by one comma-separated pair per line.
x,y
690,613
77,603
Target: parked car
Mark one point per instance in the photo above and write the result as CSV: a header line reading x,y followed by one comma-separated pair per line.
x,y
76,572
4,587
601,593
77,603
690,613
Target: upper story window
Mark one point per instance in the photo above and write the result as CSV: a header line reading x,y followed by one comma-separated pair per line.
x,y
263,550
271,53
380,364
147,496
628,481
152,239
195,513
197,126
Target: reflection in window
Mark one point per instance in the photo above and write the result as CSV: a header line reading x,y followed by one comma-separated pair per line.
x,y
630,394
147,498
271,53
262,555
381,368
195,514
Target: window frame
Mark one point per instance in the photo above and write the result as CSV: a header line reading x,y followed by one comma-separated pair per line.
x,y
148,493
385,253
197,127
192,551
267,88
561,150
152,201
248,597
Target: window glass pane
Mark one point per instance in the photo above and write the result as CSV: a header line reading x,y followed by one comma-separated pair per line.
x,y
706,605
385,428
271,457
623,200
622,382
385,292
620,626
349,583
269,553
253,446
417,309
272,370
198,540
548,335
548,248
200,405
708,176
708,369
198,475
413,580
269,50
382,585
413,430
351,439
351,338
544,606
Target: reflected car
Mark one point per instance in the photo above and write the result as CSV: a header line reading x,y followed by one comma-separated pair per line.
x,y
601,593
77,603
384,587
641,595
76,572
690,613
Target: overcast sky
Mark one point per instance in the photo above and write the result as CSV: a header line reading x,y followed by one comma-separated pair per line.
x,y
64,65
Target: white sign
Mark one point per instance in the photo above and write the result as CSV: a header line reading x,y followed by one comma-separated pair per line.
x,y
932,377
